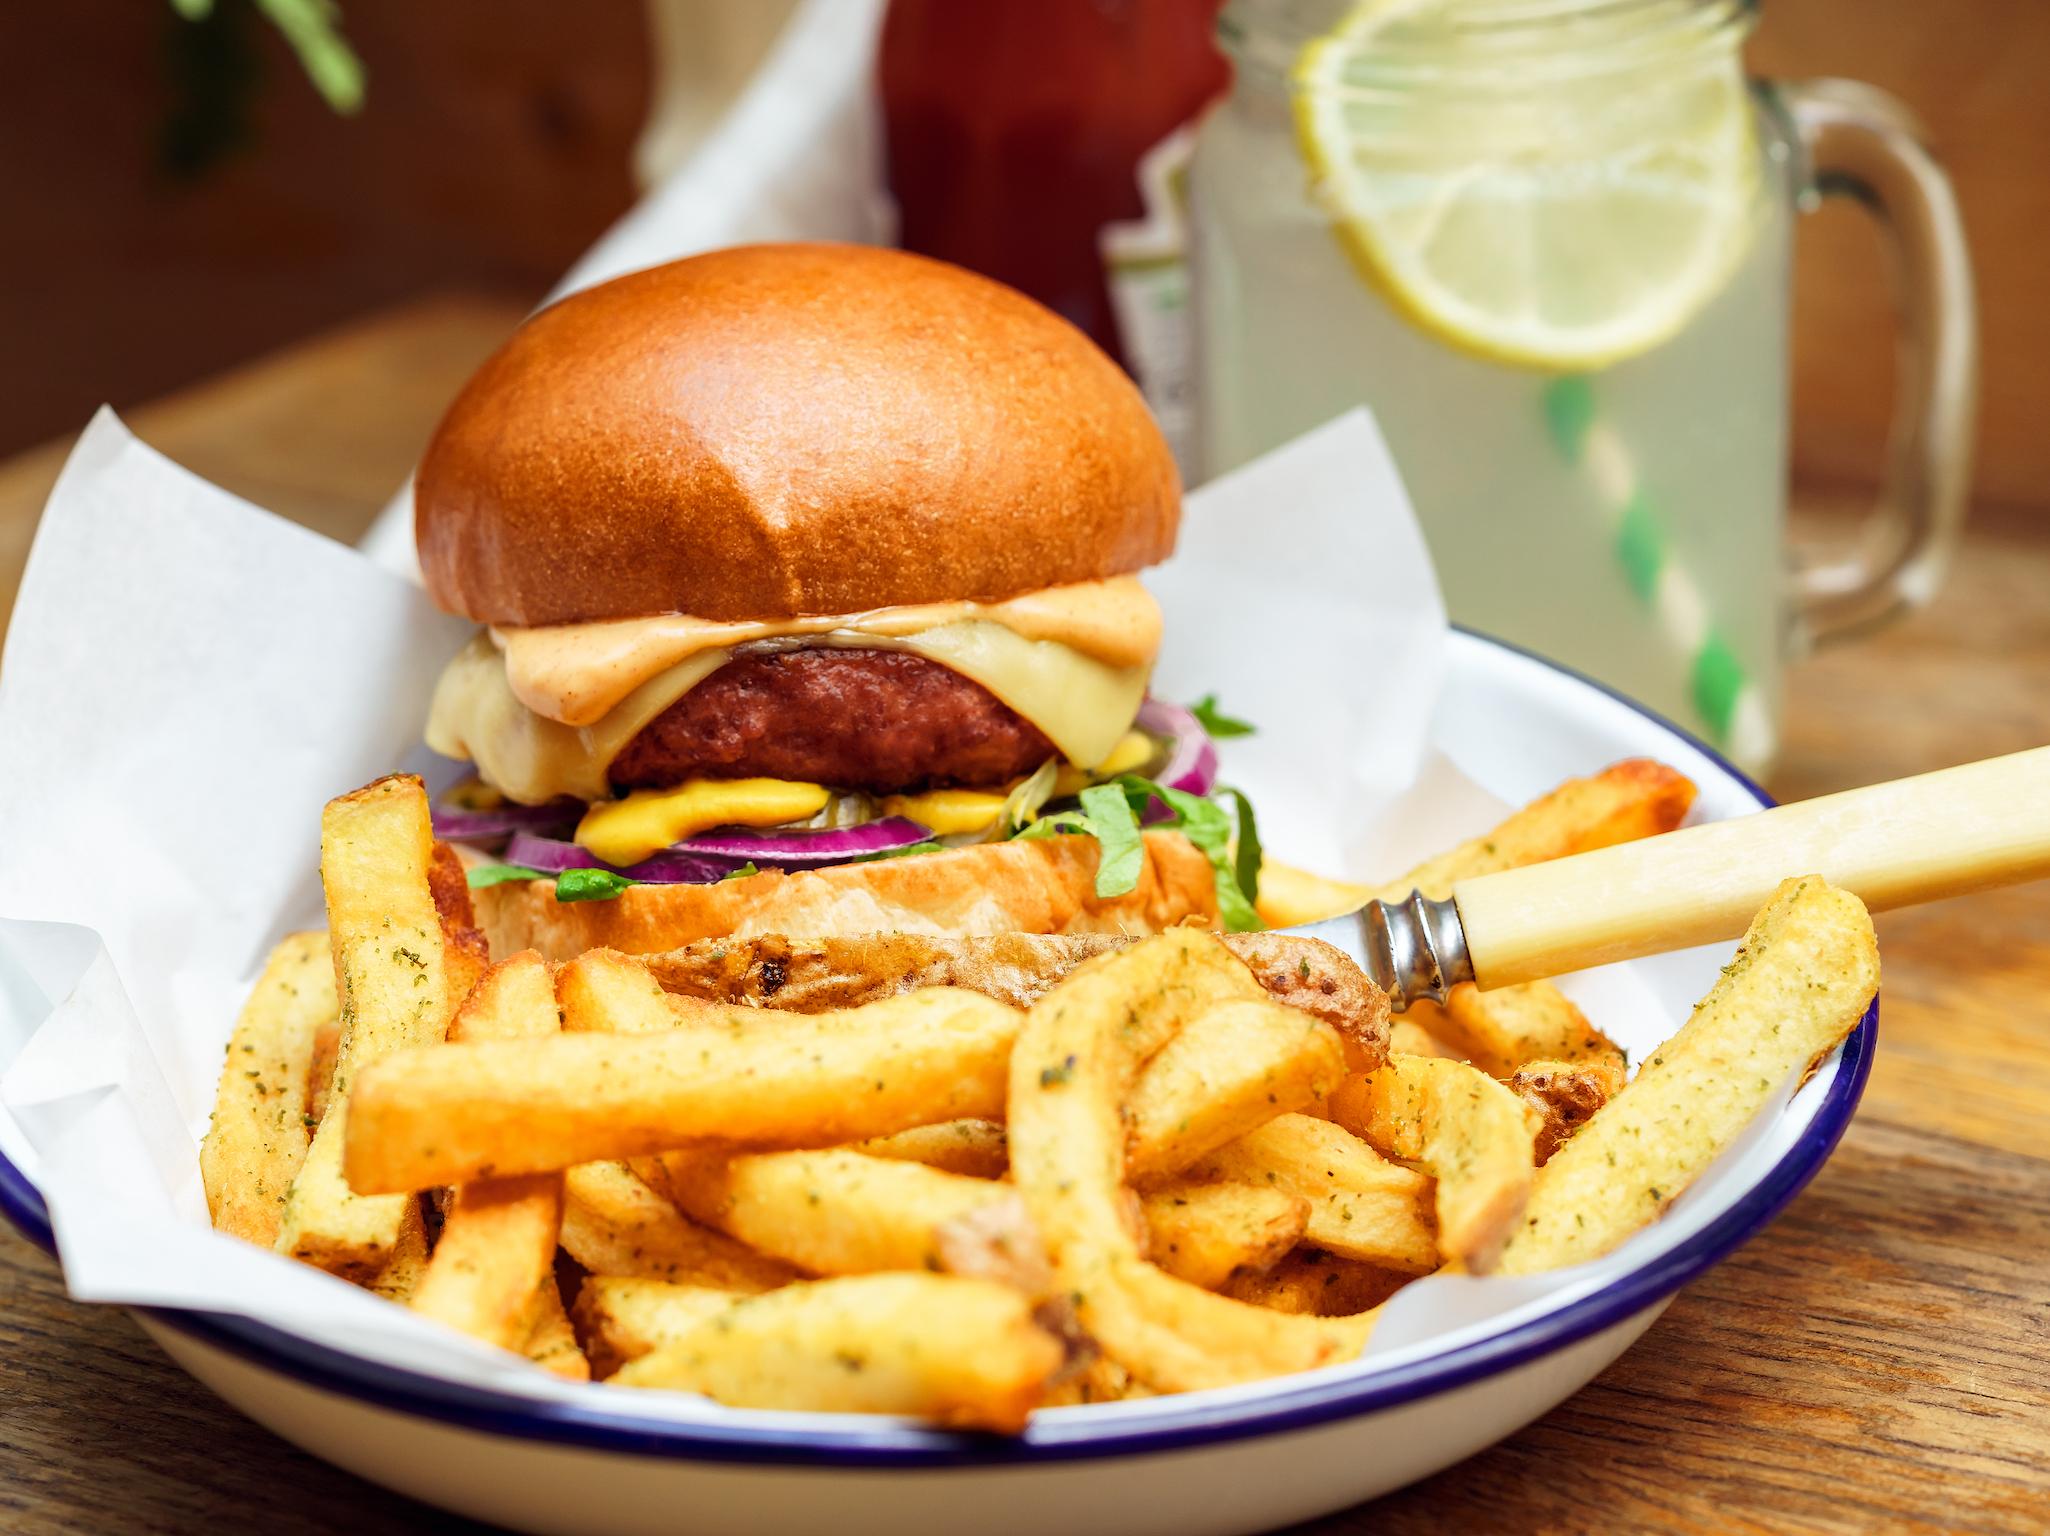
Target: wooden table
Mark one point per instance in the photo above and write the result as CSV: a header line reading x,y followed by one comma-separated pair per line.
x,y
1878,1359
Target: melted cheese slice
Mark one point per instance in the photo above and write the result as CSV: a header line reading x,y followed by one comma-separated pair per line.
x,y
544,712
529,757
1083,705
579,673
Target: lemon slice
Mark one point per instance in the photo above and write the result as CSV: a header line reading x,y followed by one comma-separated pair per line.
x,y
1556,218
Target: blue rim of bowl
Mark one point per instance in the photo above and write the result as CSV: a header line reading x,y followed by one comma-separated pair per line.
x,y
890,1445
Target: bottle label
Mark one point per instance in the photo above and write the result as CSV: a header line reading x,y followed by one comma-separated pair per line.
x,y
1145,262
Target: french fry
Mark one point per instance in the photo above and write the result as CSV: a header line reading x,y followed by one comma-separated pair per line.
x,y
1361,1205
1202,1230
620,1319
497,1246
320,1072
838,1212
392,984
1185,1338
514,1000
832,1212
498,1236
1471,1134
400,1276
1290,896
997,1241
1800,981
449,884
841,1211
614,1224
1227,1072
1098,1379
1628,800
977,1149
1410,1036
1565,1095
1118,1010
1499,1031
1073,1066
606,993
258,1136
1314,1283
550,1341
1322,981
468,951
964,1353
460,1112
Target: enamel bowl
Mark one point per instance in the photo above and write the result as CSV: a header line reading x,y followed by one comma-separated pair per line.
x,y
1246,1459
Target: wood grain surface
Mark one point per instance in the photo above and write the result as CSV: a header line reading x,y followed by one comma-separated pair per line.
x,y
1879,1359
1972,72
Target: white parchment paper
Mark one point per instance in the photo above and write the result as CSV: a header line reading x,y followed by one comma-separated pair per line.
x,y
188,679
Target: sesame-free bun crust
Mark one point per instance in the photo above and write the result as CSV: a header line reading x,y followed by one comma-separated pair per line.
x,y
1042,885
776,430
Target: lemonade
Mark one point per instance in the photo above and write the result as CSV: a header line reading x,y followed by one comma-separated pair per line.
x,y
1600,470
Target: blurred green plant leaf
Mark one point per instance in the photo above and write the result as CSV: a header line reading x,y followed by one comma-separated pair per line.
x,y
313,29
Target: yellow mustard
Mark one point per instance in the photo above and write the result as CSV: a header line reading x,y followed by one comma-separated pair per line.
x,y
948,811
627,830
1133,751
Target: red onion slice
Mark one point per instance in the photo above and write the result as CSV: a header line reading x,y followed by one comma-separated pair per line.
x,y
826,845
454,824
701,860
1191,755
551,856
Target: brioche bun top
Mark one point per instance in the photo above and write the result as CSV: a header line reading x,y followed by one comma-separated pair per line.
x,y
778,430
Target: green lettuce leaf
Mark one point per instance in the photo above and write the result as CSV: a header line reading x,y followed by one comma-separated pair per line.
x,y
1216,721
1120,853
497,874
1246,855
1111,813
1058,824
1023,802
898,853
590,884
1209,826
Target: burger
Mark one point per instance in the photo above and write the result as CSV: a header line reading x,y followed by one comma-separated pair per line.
x,y
805,578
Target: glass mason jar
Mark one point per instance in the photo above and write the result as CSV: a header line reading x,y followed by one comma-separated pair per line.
x,y
1548,243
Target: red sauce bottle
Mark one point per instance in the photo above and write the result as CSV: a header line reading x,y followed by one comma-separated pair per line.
x,y
1016,128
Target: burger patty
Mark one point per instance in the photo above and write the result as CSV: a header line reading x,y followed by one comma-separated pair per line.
x,y
884,721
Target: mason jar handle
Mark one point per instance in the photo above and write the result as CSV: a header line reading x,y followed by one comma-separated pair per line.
x,y
1861,143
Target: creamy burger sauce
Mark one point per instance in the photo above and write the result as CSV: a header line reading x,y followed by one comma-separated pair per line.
x,y
543,712
576,673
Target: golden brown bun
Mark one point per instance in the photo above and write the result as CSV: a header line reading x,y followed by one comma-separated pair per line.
x,y
1046,885
776,430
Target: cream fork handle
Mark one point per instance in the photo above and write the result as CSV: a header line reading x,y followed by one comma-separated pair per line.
x,y
1939,834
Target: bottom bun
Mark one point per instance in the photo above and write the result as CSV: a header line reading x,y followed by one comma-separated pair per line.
x,y
1042,885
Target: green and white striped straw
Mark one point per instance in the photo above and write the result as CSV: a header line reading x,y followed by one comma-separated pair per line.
x,y
1726,700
